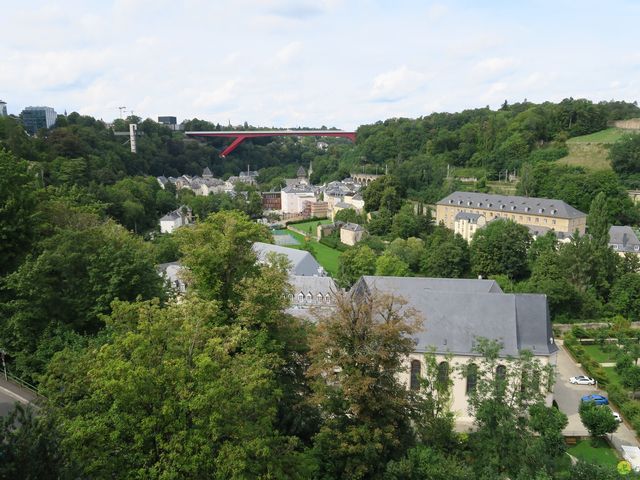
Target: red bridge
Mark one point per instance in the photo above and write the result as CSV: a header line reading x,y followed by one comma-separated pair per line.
x,y
241,136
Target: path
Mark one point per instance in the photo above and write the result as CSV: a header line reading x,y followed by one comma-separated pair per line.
x,y
10,393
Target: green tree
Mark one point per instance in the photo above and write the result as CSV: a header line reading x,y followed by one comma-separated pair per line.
x,y
18,214
354,263
625,155
625,296
598,220
631,378
501,248
349,215
422,463
506,390
598,420
409,223
391,265
218,253
72,283
445,255
365,406
410,251
170,385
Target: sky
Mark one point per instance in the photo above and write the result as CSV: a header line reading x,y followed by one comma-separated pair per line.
x,y
296,63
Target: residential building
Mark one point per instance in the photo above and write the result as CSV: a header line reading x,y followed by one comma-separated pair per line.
x,y
3,108
624,240
311,294
466,224
351,233
315,209
535,212
177,218
340,206
271,200
35,118
455,312
293,197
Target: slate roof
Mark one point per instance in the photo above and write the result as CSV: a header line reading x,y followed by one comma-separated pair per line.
x,y
510,203
354,227
470,217
207,172
344,205
298,188
302,262
456,312
625,239
301,172
315,285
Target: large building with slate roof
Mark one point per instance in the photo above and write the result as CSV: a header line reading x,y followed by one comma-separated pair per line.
x,y
302,262
555,215
455,313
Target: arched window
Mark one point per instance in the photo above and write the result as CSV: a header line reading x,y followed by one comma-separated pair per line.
x,y
443,372
472,377
309,297
300,297
414,383
319,298
327,298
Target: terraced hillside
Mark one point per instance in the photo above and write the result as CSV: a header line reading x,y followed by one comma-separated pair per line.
x,y
592,151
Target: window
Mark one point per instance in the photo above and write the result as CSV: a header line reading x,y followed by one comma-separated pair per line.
x,y
501,372
553,221
443,372
472,377
300,297
309,297
414,381
319,297
291,297
327,299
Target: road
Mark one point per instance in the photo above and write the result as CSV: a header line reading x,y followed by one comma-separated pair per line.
x,y
568,398
10,394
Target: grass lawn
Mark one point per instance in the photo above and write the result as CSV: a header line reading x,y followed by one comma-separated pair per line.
x,y
600,356
591,156
310,227
613,375
602,453
326,256
609,135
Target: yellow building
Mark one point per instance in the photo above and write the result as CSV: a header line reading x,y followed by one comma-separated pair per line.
x,y
535,213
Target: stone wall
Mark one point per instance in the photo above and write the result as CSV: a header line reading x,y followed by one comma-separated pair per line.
x,y
631,124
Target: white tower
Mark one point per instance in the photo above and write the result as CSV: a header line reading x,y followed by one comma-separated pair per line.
x,y
132,136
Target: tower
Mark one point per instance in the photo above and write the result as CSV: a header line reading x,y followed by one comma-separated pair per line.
x,y
3,108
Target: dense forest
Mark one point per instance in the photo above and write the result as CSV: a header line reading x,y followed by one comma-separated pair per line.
x,y
224,384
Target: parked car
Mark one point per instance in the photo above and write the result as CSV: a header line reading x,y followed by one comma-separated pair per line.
x,y
582,380
617,416
595,398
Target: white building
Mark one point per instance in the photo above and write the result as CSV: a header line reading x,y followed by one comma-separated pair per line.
x,y
293,197
175,219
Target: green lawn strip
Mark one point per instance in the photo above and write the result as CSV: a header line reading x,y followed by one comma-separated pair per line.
x,y
310,227
599,355
609,135
613,375
602,453
326,256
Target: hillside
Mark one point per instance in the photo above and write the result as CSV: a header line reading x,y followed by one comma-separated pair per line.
x,y
591,151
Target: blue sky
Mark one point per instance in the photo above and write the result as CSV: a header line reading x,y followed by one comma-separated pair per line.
x,y
309,63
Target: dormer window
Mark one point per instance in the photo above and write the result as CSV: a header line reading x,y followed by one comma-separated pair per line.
x,y
513,207
459,202
502,207
469,203
490,204
541,210
479,204
554,211
319,298
300,297
450,200
636,247
327,298
527,209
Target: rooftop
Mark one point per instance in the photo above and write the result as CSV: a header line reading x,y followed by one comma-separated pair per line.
x,y
510,203
624,239
302,262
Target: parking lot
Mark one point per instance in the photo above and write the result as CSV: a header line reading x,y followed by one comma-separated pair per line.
x,y
568,397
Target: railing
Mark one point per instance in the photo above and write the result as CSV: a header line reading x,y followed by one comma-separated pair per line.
x,y
24,384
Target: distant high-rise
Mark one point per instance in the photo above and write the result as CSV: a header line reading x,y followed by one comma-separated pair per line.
x,y
169,121
35,118
3,108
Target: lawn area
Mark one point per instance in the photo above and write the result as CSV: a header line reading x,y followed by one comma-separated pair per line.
x,y
310,227
609,135
613,375
599,355
602,453
326,256
591,156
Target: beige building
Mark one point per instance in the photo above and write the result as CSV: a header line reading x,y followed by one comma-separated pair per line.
x,y
466,224
536,213
455,312
351,233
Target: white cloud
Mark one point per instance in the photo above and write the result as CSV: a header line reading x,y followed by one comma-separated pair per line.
x,y
494,66
289,52
218,97
396,84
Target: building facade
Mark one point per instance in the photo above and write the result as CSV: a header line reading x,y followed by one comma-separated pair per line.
x,y
466,224
175,219
532,212
623,240
3,108
35,118
351,233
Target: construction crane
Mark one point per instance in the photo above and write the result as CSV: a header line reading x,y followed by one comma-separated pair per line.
x,y
122,109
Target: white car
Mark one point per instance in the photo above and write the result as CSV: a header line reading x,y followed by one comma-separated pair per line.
x,y
582,380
